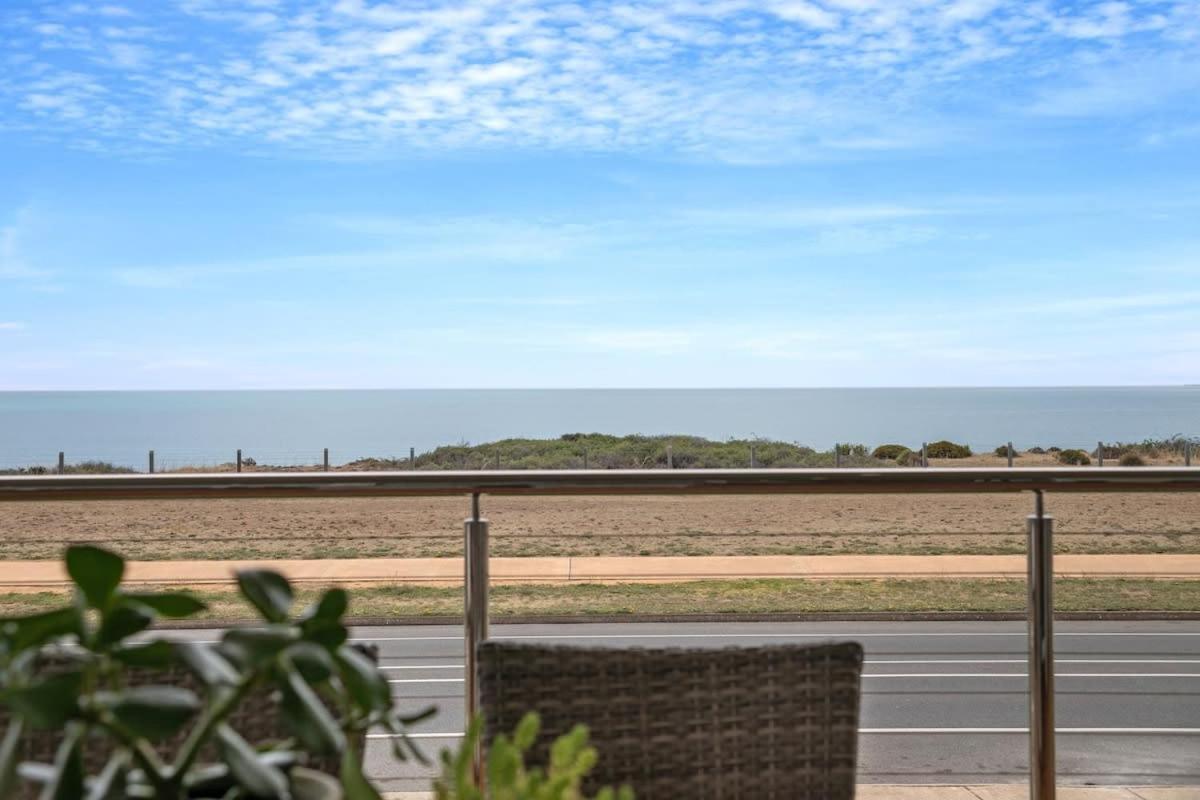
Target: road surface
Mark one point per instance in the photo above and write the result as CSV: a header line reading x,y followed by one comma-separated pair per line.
x,y
943,702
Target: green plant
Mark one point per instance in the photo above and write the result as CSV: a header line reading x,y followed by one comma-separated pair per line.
x,y
507,776
1074,457
889,452
1131,460
328,692
1037,451
1002,451
945,449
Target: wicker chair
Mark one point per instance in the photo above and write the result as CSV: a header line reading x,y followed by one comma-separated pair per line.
x,y
256,718
755,723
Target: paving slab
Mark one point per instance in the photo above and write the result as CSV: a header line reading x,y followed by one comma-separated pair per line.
x,y
1018,791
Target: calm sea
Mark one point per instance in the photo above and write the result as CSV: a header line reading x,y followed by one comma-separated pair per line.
x,y
292,427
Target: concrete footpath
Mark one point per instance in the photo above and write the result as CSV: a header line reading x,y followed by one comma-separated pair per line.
x,y
19,576
874,791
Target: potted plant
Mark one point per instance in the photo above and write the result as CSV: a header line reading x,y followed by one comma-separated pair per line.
x,y
506,776
167,742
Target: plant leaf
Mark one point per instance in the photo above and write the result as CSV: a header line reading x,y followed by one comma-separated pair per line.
x,y
257,777
354,783
367,686
154,712
122,621
253,646
9,754
67,783
208,665
268,591
330,608
316,724
110,783
157,654
37,629
49,703
312,660
96,571
174,605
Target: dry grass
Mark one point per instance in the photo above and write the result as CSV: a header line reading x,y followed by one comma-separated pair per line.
x,y
723,597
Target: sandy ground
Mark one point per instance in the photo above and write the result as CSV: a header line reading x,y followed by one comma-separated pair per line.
x,y
736,525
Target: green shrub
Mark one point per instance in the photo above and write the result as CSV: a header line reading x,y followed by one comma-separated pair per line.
x,y
302,657
1002,451
1037,451
1075,458
909,459
889,452
945,449
1053,449
1132,460
508,778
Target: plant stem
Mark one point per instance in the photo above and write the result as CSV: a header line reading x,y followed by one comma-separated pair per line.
x,y
213,716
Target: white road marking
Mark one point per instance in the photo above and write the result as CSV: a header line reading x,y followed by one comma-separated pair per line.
x,y
932,661
831,635
893,675
923,731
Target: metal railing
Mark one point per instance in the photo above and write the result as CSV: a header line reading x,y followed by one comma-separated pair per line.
x,y
474,485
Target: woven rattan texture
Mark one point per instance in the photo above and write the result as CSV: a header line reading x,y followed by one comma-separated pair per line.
x,y
760,723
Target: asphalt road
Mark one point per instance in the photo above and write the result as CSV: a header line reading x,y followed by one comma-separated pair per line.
x,y
944,702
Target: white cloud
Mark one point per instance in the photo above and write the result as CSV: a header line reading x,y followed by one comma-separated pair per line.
x,y
11,326
735,80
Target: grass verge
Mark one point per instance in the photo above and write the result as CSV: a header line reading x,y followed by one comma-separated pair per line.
x,y
722,597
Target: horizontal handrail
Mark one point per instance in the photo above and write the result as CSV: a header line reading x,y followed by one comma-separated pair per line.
x,y
191,486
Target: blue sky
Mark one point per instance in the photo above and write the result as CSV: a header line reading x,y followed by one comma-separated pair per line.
x,y
263,193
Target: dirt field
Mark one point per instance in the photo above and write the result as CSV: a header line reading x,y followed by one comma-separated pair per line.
x,y
915,524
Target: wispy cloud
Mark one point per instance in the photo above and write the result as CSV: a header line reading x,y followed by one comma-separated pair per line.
x,y
11,326
742,81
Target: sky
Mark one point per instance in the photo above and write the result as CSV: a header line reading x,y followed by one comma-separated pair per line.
x,y
224,194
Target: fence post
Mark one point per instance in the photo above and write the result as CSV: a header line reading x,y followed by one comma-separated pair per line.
x,y
1041,652
1187,454
497,459
1100,454
585,459
412,458
837,456
924,454
475,609
62,463
239,460
670,458
325,459
753,461
151,462
1010,454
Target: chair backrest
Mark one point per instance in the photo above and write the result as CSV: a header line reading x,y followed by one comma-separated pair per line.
x,y
257,718
747,722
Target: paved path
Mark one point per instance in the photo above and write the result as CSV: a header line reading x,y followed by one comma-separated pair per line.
x,y
18,576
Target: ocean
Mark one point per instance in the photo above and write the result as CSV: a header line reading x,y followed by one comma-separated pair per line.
x,y
292,427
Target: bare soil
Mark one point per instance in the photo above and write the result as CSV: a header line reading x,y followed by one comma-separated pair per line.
x,y
735,525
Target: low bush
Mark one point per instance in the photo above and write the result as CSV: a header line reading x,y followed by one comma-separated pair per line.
x,y
1132,460
1075,458
889,452
909,459
1002,451
945,449
1037,451
1053,449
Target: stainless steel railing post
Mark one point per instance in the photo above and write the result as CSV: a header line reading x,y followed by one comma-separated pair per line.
x,y
1041,652
475,607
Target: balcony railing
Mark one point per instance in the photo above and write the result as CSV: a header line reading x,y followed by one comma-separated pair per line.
x,y
1039,524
